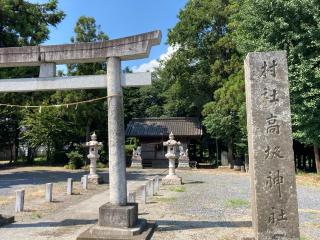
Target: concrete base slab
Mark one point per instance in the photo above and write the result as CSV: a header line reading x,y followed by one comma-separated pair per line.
x,y
143,231
171,180
4,219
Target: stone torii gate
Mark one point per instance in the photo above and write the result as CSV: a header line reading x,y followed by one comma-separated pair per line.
x,y
117,217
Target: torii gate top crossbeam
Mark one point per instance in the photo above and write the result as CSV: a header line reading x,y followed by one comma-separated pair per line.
x,y
128,48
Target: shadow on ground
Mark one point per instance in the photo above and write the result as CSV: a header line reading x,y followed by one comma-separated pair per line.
x,y
64,223
169,225
18,179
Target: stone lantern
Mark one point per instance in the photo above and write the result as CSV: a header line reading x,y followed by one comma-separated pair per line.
x,y
94,146
172,178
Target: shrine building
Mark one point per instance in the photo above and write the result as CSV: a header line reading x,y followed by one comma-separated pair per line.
x,y
152,132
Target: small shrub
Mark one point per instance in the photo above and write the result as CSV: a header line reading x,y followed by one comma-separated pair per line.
x,y
75,160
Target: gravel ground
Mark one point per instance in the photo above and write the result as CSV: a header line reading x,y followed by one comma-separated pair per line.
x,y
212,204
215,205
33,180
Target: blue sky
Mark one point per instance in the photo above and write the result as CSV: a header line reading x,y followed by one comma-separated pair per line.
x,y
120,18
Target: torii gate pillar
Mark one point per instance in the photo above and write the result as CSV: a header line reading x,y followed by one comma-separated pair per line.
x,y
116,135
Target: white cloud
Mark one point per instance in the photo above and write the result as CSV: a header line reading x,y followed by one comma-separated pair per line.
x,y
153,64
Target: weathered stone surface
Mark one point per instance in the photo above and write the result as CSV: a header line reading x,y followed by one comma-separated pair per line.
x,y
143,231
49,195
69,186
94,147
143,194
84,181
274,197
71,82
118,216
132,197
128,48
183,160
150,188
95,179
19,207
4,220
136,158
116,136
47,70
171,180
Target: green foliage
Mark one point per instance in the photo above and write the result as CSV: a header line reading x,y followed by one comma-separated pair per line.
x,y
291,25
48,127
22,23
75,160
177,189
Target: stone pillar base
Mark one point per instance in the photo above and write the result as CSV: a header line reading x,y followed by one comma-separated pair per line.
x,y
95,179
136,164
119,222
171,180
184,165
237,168
143,231
4,219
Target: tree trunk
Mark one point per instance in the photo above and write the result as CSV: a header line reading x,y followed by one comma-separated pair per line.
x,y
230,153
88,130
317,157
30,156
11,153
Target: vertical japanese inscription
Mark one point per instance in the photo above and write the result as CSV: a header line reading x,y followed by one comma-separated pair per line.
x,y
274,197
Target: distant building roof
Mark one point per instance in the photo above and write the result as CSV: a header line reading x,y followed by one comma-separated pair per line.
x,y
158,127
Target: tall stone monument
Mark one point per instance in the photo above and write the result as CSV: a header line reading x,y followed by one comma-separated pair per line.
x,y
274,197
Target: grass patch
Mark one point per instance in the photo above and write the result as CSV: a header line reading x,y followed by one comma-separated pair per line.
x,y
166,199
236,202
177,189
303,238
308,179
35,215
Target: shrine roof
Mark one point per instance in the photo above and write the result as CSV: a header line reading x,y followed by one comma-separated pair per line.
x,y
159,127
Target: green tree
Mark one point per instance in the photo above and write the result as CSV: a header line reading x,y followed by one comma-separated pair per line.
x,y
48,127
291,25
206,71
22,23
91,116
